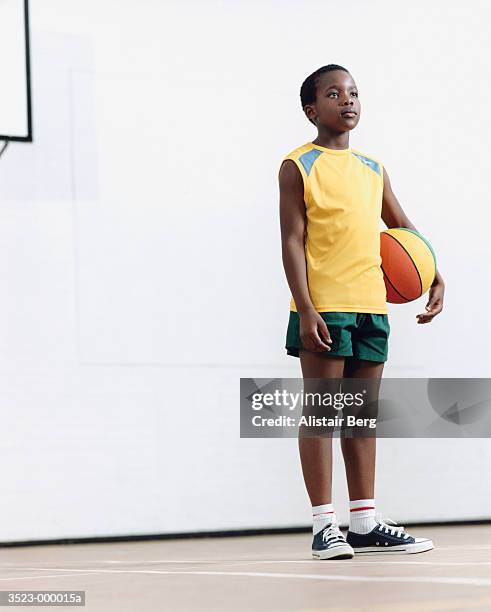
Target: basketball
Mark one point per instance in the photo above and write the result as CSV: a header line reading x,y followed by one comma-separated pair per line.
x,y
408,264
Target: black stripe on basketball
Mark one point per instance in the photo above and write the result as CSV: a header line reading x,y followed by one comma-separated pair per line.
x,y
412,261
390,283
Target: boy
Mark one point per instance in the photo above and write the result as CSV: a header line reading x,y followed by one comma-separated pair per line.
x,y
331,200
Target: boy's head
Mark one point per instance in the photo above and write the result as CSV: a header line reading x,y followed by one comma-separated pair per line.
x,y
327,95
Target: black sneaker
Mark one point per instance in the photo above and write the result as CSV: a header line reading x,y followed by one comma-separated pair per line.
x,y
385,538
329,543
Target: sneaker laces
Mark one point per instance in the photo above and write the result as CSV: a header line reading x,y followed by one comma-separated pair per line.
x,y
332,533
398,530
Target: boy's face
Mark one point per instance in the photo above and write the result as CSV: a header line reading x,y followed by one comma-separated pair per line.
x,y
336,94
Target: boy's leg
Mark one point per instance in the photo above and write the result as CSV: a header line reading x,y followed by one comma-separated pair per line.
x,y
316,452
316,457
359,452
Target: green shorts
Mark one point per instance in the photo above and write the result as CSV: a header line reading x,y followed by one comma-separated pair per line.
x,y
353,334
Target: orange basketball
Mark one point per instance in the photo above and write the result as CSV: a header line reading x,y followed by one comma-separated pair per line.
x,y
408,264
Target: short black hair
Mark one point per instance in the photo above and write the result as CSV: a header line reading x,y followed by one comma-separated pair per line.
x,y
309,86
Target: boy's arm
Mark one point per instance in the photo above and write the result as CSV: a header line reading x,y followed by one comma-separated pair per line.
x,y
313,330
394,216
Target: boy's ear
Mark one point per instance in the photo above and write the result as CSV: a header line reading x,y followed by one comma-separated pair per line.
x,y
310,112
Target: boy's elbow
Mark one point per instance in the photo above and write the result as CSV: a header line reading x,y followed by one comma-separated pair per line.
x,y
293,242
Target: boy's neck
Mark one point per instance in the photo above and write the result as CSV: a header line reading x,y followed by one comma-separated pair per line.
x,y
332,141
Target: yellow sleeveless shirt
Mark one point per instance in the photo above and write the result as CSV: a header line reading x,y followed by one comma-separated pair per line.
x,y
343,199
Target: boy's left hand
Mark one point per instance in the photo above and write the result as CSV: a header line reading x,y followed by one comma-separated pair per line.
x,y
435,303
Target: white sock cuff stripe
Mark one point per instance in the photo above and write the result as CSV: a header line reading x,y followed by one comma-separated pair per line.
x,y
322,509
362,503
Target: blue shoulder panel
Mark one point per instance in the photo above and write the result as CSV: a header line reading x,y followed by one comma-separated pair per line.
x,y
369,162
308,159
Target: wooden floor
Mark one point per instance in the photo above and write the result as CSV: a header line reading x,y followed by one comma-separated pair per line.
x,y
260,573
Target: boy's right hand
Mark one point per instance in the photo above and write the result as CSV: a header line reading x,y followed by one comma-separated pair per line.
x,y
313,332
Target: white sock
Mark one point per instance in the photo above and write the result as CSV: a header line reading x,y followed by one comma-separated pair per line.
x,y
322,517
362,515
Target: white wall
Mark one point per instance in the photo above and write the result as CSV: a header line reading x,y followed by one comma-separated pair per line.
x,y
140,255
